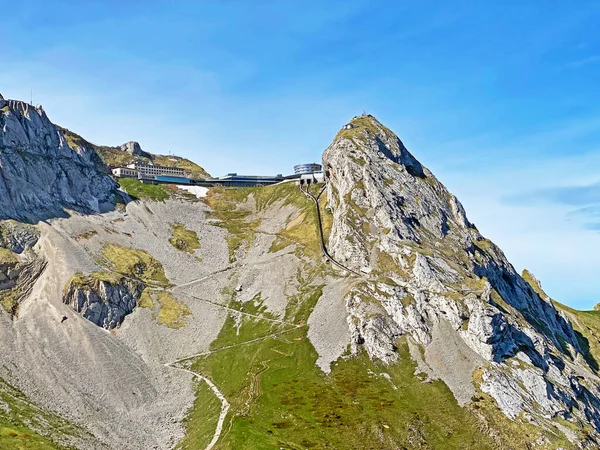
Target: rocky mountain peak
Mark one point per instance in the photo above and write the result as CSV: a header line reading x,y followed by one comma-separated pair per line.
x,y
40,174
135,149
434,278
384,193
1,97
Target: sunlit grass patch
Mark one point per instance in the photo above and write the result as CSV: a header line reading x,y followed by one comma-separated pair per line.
x,y
172,312
135,263
139,190
184,239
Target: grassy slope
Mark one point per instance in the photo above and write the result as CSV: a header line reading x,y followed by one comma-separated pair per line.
x,y
280,399
25,426
201,423
139,190
242,224
116,157
184,239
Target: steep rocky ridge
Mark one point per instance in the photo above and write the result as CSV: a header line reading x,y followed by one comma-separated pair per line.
x,y
438,344
20,264
40,175
430,270
132,151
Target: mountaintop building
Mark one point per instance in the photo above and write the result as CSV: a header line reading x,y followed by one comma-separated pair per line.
x,y
307,168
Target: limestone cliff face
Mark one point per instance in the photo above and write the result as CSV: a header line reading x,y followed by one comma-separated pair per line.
x,y
40,175
135,149
103,302
427,269
20,264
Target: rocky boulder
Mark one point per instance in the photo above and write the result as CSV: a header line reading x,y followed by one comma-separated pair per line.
x,y
20,264
102,300
135,149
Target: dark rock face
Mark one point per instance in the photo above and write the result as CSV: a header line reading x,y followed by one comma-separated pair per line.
x,y
104,303
40,175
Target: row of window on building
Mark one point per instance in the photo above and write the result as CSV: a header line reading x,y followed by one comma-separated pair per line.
x,y
149,171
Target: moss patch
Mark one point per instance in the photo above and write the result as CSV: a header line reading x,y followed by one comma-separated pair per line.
x,y
184,239
7,257
135,263
9,299
145,300
172,312
361,128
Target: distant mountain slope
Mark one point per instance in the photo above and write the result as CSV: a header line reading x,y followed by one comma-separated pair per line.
x,y
23,425
40,175
172,321
120,156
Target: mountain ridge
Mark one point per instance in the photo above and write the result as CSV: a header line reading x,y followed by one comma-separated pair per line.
x,y
130,152
442,269
433,341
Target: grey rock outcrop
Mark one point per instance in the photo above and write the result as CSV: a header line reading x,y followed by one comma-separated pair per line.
x,y
40,175
135,149
17,237
105,303
20,264
429,264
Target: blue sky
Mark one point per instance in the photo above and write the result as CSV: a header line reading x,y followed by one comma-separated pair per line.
x,y
500,99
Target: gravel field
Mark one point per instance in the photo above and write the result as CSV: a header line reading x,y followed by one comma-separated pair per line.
x,y
115,383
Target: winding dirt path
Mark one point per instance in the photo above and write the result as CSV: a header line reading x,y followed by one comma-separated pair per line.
x,y
220,396
224,403
255,387
320,228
